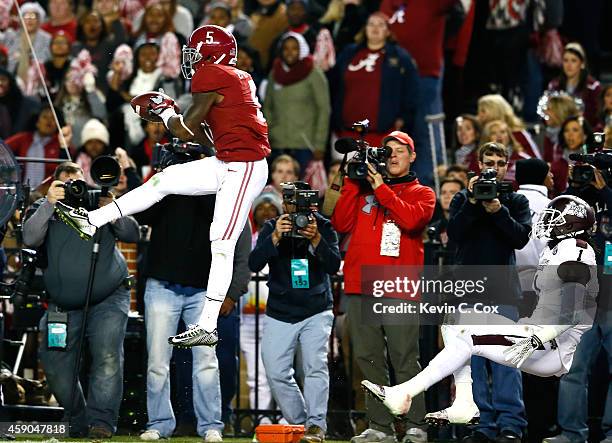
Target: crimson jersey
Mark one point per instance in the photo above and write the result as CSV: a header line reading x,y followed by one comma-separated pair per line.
x,y
239,129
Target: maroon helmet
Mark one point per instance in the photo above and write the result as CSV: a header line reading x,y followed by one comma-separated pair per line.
x,y
208,44
565,216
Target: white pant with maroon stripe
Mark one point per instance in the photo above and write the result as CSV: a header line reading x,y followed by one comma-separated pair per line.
x,y
236,185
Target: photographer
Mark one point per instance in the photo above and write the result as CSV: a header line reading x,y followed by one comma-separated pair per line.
x,y
487,232
298,310
398,203
573,387
66,277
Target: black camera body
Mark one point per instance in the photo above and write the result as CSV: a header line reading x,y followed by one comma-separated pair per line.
x,y
177,152
19,290
487,187
304,200
583,172
357,166
79,195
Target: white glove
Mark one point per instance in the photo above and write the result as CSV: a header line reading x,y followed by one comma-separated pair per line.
x,y
521,350
89,82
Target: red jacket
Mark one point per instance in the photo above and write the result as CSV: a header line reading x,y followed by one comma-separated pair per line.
x,y
21,142
361,213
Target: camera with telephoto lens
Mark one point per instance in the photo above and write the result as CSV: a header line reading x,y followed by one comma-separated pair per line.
x,y
357,166
77,194
304,199
488,188
177,152
583,172
19,290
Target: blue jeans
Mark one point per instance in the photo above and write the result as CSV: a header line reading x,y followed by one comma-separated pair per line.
x,y
430,103
573,387
163,309
227,354
279,344
501,403
105,331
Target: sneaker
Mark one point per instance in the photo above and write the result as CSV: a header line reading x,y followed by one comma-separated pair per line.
x,y
415,435
464,413
373,436
396,403
313,434
151,435
76,218
476,437
99,433
195,335
508,436
213,436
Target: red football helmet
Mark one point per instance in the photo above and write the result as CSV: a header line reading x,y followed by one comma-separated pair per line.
x,y
208,44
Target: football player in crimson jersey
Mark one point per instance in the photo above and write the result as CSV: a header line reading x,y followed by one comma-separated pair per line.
x,y
224,99
542,344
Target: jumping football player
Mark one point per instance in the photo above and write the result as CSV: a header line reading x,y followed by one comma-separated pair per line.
x,y
224,98
566,283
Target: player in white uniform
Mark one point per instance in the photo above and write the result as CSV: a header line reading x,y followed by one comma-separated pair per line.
x,y
542,344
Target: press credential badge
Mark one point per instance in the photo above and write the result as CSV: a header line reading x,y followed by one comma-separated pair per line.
x,y
390,240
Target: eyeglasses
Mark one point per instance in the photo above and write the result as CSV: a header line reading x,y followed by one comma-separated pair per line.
x,y
500,164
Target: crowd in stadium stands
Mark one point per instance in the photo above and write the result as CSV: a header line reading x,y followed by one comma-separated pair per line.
x,y
526,75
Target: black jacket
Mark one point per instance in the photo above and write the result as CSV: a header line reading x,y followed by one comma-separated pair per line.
x,y
294,305
490,239
179,249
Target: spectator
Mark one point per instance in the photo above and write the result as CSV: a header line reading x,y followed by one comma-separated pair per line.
x,y
487,233
40,140
297,96
20,57
559,107
156,23
178,263
345,19
147,76
575,133
79,99
266,207
410,21
93,36
467,134
284,169
107,316
497,131
458,172
605,118
57,65
16,109
61,18
390,100
448,188
269,22
142,154
248,61
181,19
118,28
535,182
576,81
299,316
94,143
220,13
401,203
495,107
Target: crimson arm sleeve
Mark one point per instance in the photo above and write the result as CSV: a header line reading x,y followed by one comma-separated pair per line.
x,y
345,213
410,215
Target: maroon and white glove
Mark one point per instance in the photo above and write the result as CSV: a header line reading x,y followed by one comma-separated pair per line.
x,y
160,102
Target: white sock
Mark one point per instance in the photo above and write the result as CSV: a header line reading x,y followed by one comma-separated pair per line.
x,y
210,314
463,385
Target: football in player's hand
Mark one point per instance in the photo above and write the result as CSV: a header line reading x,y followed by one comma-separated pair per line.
x,y
150,104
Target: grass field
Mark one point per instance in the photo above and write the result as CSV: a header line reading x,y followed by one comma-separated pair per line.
x,y
122,438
